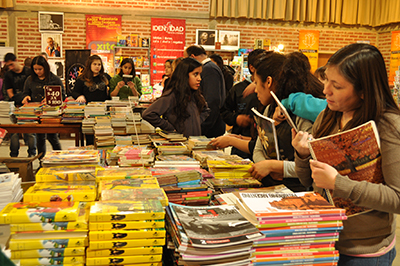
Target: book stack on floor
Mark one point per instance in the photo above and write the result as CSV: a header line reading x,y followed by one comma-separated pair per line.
x,y
225,169
103,132
216,235
171,148
47,233
28,113
125,233
299,227
50,115
10,189
87,125
6,110
176,161
199,143
73,112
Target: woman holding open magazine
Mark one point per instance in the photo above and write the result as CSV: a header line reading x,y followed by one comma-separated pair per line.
x,y
357,91
283,75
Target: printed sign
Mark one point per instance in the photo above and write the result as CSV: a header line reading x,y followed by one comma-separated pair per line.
x,y
53,95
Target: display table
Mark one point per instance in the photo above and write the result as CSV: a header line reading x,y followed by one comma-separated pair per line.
x,y
47,128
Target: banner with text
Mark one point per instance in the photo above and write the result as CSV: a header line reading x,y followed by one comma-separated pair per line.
x,y
309,45
101,37
394,56
167,42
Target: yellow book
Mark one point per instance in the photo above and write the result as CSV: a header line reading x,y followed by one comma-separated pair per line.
x,y
123,173
123,252
48,240
127,225
123,260
52,261
81,223
128,243
126,234
41,212
147,182
71,191
126,211
67,173
135,194
47,252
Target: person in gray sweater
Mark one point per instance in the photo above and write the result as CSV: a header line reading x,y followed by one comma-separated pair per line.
x,y
357,91
181,108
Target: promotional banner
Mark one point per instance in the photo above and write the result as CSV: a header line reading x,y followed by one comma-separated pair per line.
x,y
309,45
101,37
394,56
167,42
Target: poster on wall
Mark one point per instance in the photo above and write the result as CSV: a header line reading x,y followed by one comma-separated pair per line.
x,y
167,42
309,45
230,40
51,44
101,37
206,38
51,21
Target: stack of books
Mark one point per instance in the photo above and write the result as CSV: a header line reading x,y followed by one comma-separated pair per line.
x,y
10,189
50,115
103,132
299,227
122,173
29,113
122,140
171,148
126,232
199,143
203,155
230,168
135,156
68,173
176,161
141,139
47,233
135,194
223,183
6,110
73,112
94,109
87,125
216,235
172,136
133,123
118,123
71,157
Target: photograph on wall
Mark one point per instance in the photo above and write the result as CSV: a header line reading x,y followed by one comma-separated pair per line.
x,y
206,38
51,21
57,67
230,40
51,44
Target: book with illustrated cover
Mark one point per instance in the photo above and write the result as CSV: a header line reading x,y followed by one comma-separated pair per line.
x,y
135,194
215,226
125,260
123,252
67,173
48,252
68,157
52,261
128,243
123,173
41,212
127,234
3,133
142,224
126,211
48,240
117,184
355,153
260,204
267,134
70,191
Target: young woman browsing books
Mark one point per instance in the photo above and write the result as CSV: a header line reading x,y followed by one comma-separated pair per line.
x,y
357,91
126,83
181,105
283,75
34,92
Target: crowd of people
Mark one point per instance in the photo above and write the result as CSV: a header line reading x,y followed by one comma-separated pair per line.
x,y
199,98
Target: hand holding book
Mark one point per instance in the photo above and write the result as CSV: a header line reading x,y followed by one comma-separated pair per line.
x,y
300,142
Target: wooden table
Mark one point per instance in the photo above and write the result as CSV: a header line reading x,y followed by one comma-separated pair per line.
x,y
47,128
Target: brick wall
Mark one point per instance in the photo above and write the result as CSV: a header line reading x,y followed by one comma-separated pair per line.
x,y
385,41
3,28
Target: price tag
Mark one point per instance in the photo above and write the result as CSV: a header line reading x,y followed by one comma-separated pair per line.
x,y
53,95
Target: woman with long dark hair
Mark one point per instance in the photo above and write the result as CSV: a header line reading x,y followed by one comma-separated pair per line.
x,y
181,105
126,83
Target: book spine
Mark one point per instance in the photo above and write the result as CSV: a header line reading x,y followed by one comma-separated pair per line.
x,y
124,252
49,252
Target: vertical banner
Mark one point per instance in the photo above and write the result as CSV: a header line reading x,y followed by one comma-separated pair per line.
x,y
394,56
167,42
308,45
101,37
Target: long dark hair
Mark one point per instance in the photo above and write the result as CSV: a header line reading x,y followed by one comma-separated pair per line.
x,y
127,61
296,76
363,66
40,61
179,85
87,74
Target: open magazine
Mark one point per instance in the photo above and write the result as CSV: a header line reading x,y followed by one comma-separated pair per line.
x,y
355,153
284,111
267,134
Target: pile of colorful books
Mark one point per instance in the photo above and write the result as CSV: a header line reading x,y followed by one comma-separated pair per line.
x,y
199,143
73,112
6,110
47,233
228,168
171,148
71,157
299,227
176,161
28,113
10,189
126,232
50,115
